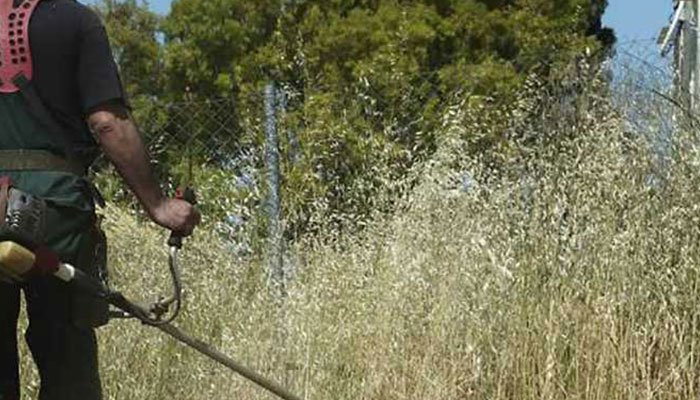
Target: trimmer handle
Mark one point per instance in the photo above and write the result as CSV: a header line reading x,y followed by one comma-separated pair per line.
x,y
187,194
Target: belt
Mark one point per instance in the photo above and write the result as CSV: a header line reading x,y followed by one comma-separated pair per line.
x,y
38,160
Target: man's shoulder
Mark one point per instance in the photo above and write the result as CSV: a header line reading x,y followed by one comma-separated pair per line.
x,y
65,5
72,12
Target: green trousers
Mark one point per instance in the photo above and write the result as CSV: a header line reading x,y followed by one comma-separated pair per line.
x,y
60,334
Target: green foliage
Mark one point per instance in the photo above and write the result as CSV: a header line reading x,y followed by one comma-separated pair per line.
x,y
208,39
132,30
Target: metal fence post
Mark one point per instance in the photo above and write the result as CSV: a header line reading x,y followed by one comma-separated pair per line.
x,y
694,47
294,148
272,162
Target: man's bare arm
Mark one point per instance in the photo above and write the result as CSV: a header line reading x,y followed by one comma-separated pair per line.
x,y
119,138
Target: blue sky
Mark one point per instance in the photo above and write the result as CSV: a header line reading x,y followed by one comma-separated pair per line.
x,y
636,19
161,6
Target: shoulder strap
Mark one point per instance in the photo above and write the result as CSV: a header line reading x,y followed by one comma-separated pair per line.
x,y
5,183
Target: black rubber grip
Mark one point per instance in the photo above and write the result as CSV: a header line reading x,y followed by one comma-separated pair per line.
x,y
88,284
186,194
189,196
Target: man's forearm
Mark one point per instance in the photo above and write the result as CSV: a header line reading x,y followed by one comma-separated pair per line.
x,y
120,140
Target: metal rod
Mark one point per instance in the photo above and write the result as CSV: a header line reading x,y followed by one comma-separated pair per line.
x,y
116,299
673,29
226,361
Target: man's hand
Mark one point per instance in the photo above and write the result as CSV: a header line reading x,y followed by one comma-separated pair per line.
x,y
177,215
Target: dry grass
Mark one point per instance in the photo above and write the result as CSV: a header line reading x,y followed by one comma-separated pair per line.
x,y
564,276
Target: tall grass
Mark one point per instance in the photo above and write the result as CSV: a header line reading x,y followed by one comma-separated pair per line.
x,y
559,272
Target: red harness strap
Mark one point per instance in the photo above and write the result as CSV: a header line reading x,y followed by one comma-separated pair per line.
x,y
15,52
5,183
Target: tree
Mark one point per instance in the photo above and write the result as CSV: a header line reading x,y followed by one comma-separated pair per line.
x,y
133,33
368,80
208,40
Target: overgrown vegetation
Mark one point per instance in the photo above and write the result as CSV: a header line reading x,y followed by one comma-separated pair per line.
x,y
556,273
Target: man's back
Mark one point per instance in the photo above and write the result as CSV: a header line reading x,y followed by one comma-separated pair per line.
x,y
73,73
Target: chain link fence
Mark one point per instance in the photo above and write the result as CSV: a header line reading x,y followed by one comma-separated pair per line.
x,y
644,93
220,145
642,58
230,135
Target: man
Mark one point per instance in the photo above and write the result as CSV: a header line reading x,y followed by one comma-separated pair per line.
x,y
70,104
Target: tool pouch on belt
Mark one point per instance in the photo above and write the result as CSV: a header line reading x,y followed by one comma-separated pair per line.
x,y
22,216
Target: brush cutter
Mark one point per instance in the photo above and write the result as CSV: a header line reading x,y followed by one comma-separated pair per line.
x,y
22,216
